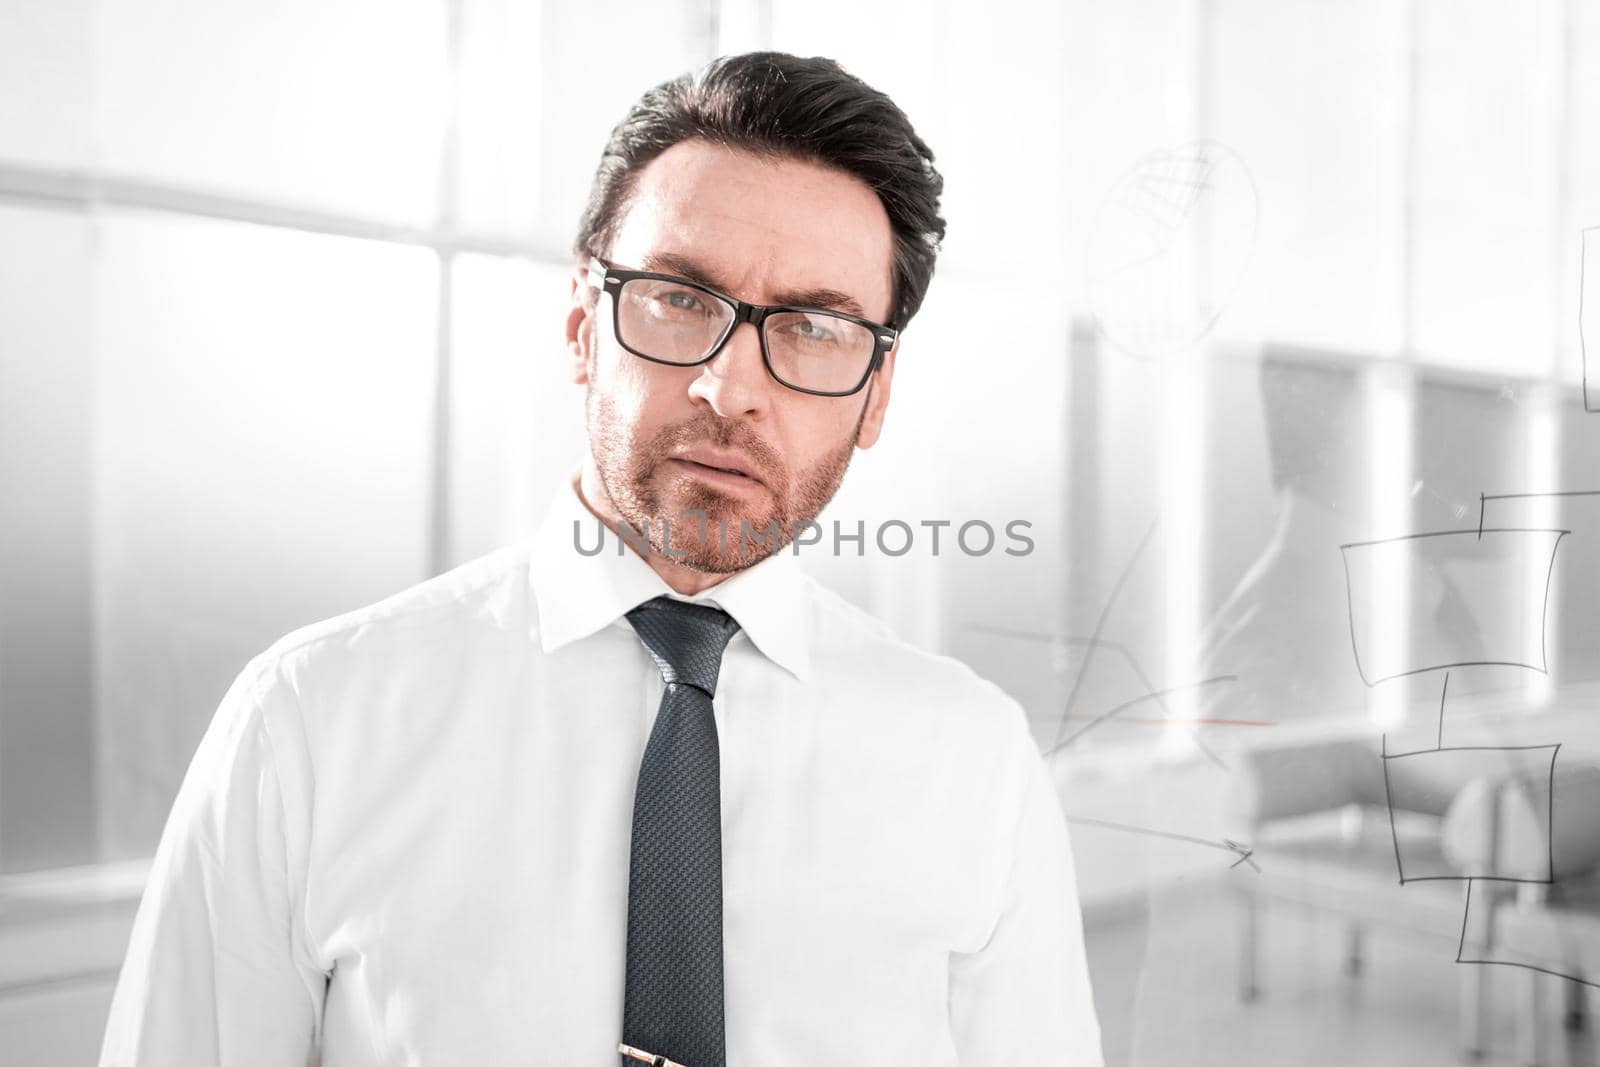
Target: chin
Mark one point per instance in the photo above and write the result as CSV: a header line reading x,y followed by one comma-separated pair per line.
x,y
680,503
723,548
717,507
715,563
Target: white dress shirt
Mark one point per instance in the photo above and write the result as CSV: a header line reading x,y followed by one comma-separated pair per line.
x,y
404,839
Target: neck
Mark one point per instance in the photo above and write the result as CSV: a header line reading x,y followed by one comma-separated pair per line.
x,y
679,579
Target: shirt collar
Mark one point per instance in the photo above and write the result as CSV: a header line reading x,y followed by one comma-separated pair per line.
x,y
580,594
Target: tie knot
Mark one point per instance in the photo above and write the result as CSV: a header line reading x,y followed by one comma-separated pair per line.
x,y
686,640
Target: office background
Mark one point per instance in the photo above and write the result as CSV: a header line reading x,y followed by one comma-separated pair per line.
x,y
1229,284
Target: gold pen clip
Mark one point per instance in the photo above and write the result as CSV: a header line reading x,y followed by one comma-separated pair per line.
x,y
644,1057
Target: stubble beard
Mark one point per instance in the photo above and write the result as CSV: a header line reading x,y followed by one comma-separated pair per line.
x,y
633,474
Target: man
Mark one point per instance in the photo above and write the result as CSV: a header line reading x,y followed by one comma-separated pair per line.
x,y
664,803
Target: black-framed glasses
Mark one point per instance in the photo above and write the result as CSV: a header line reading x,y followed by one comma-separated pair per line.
x,y
667,319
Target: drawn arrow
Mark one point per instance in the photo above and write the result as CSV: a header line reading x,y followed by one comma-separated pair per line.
x,y
1243,851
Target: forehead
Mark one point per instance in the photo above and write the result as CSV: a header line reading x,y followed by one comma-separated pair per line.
x,y
760,226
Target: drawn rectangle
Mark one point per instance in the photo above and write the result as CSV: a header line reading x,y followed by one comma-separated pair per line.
x,y
1428,781
1464,597
1561,941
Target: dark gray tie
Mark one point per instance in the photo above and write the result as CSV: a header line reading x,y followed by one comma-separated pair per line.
x,y
673,998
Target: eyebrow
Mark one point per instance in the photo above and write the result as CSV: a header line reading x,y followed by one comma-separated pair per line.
x,y
831,299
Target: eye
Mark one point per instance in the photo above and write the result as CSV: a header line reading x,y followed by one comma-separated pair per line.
x,y
681,300
812,330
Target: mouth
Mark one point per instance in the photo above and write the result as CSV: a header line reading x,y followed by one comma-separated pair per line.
x,y
728,471
715,462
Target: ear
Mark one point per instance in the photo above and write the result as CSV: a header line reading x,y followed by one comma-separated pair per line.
x,y
580,328
877,399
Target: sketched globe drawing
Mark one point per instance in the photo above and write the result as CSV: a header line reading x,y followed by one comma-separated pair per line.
x,y
1169,246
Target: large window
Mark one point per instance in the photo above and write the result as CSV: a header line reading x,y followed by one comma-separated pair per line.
x,y
279,335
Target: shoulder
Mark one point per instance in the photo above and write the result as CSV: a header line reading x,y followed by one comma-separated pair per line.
x,y
485,595
950,747
920,689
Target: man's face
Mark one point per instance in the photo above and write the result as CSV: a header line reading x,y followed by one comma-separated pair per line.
x,y
768,232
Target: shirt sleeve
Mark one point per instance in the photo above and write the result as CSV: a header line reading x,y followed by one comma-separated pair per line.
x,y
1025,997
216,973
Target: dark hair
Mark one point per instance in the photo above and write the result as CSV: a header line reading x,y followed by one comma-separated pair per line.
x,y
780,105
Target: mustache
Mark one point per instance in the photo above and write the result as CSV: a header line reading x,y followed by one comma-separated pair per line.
x,y
713,429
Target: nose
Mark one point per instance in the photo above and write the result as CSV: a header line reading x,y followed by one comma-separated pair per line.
x,y
735,383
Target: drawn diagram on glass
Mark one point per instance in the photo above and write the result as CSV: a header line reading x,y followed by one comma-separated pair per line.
x,y
1146,690
1428,779
1486,585
1529,940
1169,246
1147,694
1245,853
1484,593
